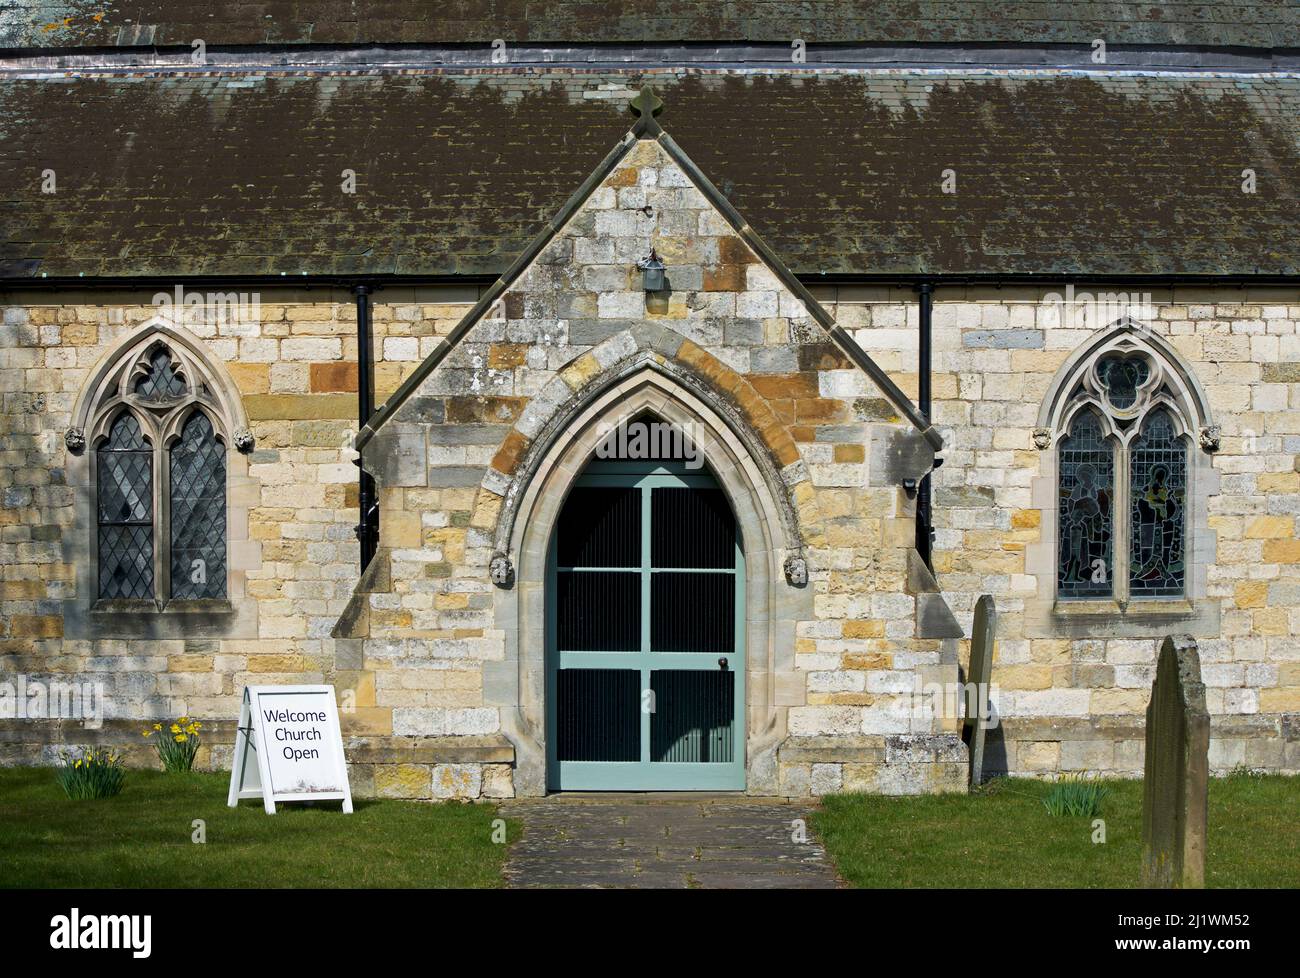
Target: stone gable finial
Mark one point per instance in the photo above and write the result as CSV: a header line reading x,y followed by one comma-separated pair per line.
x,y
646,105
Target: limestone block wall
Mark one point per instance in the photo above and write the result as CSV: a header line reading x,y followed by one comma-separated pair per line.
x,y
441,691
1072,698
293,368
833,665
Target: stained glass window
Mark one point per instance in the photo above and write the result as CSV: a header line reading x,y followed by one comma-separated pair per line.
x,y
125,505
1122,376
1084,510
198,512
1158,481
162,382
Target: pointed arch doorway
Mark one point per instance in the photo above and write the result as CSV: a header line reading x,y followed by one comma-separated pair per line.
x,y
645,630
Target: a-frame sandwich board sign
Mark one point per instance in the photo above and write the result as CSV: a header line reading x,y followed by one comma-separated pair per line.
x,y
288,747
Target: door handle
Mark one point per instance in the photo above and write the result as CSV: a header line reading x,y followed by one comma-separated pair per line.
x,y
722,663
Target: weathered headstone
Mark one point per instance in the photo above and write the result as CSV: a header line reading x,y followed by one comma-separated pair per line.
x,y
1175,792
978,709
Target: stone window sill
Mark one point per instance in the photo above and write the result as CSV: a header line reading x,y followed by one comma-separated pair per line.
x,y
1085,609
127,606
134,619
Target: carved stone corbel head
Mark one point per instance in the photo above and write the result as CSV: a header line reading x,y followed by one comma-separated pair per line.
x,y
1210,435
796,571
1042,438
75,439
500,570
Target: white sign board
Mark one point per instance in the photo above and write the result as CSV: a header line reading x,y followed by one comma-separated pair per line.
x,y
288,747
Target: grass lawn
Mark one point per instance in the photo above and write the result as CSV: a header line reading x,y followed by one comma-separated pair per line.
x,y
1003,837
142,838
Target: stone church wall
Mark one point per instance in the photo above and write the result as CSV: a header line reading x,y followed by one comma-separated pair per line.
x,y
425,649
1072,697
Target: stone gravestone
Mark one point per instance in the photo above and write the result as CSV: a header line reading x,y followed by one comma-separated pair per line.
x,y
1175,791
977,684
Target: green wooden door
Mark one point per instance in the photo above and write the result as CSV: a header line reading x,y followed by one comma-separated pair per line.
x,y
645,634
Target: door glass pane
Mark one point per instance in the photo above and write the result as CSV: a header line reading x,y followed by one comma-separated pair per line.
x,y
1158,481
198,517
691,528
1084,511
598,611
125,508
693,613
598,715
600,527
693,717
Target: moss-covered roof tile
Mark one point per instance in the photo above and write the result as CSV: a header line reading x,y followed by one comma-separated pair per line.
x,y
840,172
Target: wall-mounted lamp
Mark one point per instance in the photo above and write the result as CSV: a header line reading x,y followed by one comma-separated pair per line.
x,y
652,272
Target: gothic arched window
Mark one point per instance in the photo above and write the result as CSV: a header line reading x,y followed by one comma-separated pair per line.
x,y
1158,509
1122,424
159,448
125,491
1086,510
198,511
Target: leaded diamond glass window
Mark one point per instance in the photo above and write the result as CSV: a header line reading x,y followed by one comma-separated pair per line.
x,y
162,382
125,509
1084,510
154,389
198,512
1158,481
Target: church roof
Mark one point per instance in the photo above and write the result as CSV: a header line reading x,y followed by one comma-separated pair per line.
x,y
100,23
234,173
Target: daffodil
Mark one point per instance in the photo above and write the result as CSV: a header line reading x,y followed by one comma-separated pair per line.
x,y
176,728
181,738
